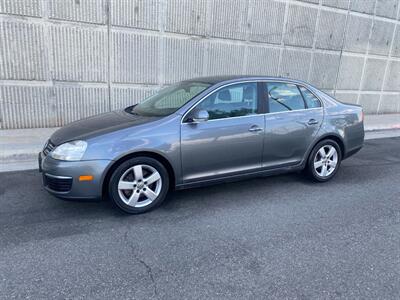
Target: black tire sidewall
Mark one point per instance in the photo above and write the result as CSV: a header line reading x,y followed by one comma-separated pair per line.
x,y
310,166
116,175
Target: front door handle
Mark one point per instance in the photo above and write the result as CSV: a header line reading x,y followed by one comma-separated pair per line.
x,y
312,122
255,128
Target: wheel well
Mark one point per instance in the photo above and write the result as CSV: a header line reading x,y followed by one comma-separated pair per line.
x,y
337,140
156,156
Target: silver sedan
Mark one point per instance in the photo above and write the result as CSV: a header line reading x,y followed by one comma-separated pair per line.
x,y
199,132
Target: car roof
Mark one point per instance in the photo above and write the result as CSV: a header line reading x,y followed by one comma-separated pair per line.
x,y
233,78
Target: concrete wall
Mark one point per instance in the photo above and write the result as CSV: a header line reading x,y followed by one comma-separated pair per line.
x,y
61,60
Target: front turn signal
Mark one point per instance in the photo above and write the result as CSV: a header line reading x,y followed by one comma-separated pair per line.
x,y
85,178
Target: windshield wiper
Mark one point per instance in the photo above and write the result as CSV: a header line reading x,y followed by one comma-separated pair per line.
x,y
131,111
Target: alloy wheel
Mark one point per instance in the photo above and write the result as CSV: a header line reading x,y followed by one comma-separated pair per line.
x,y
325,161
139,185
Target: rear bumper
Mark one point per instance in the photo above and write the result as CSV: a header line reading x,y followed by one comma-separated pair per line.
x,y
61,178
352,152
354,139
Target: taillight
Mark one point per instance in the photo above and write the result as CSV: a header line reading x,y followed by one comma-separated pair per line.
x,y
362,115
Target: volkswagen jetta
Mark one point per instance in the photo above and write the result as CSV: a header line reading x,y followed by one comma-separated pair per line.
x,y
198,132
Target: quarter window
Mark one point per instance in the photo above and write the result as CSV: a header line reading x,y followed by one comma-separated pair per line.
x,y
311,100
231,101
284,97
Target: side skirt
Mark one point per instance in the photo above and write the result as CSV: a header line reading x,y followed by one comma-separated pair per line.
x,y
239,177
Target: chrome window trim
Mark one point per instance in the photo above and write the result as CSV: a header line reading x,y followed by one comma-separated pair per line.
x,y
264,114
256,114
292,111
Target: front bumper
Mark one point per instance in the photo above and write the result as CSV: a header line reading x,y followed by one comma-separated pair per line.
x,y
61,178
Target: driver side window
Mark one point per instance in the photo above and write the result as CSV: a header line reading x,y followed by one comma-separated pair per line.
x,y
231,101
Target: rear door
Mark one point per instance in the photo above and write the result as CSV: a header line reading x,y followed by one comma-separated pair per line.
x,y
231,141
291,123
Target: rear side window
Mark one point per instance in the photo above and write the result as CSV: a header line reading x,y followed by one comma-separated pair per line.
x,y
284,97
311,100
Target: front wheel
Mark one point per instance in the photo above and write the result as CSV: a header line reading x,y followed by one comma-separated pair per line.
x,y
324,161
139,184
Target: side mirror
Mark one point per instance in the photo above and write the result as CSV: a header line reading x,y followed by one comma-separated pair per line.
x,y
199,116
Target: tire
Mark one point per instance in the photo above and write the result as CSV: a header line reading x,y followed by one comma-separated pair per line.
x,y
321,168
138,185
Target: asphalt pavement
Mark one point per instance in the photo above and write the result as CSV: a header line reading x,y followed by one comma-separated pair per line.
x,y
279,237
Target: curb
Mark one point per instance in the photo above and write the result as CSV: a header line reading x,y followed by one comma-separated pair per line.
x,y
382,128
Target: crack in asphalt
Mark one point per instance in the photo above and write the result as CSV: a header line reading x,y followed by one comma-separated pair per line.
x,y
149,270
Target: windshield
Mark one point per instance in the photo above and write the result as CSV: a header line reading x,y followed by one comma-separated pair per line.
x,y
170,99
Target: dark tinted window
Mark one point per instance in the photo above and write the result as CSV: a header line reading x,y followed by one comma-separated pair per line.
x,y
311,100
231,101
284,97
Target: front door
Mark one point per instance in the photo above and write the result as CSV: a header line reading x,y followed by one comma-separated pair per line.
x,y
230,142
294,118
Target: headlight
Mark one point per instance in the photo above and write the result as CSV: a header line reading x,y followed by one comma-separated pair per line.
x,y
69,151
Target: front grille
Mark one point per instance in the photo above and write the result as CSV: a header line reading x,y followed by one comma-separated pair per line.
x,y
48,148
58,184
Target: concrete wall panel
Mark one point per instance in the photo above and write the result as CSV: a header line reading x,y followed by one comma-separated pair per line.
x,y
373,74
330,32
324,70
387,8
329,92
310,1
228,19
300,28
135,58
389,104
392,81
381,38
357,34
350,72
184,59
369,103
22,7
54,54
77,102
91,11
225,59
122,97
262,61
363,6
22,51
135,13
266,21
186,16
79,54
396,43
336,3
347,97
27,107
295,64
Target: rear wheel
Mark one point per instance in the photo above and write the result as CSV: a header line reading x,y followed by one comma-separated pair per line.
x,y
324,160
139,184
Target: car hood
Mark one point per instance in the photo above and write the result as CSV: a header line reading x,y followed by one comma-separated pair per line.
x,y
97,125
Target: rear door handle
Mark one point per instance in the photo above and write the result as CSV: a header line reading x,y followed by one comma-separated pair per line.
x,y
312,122
255,128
